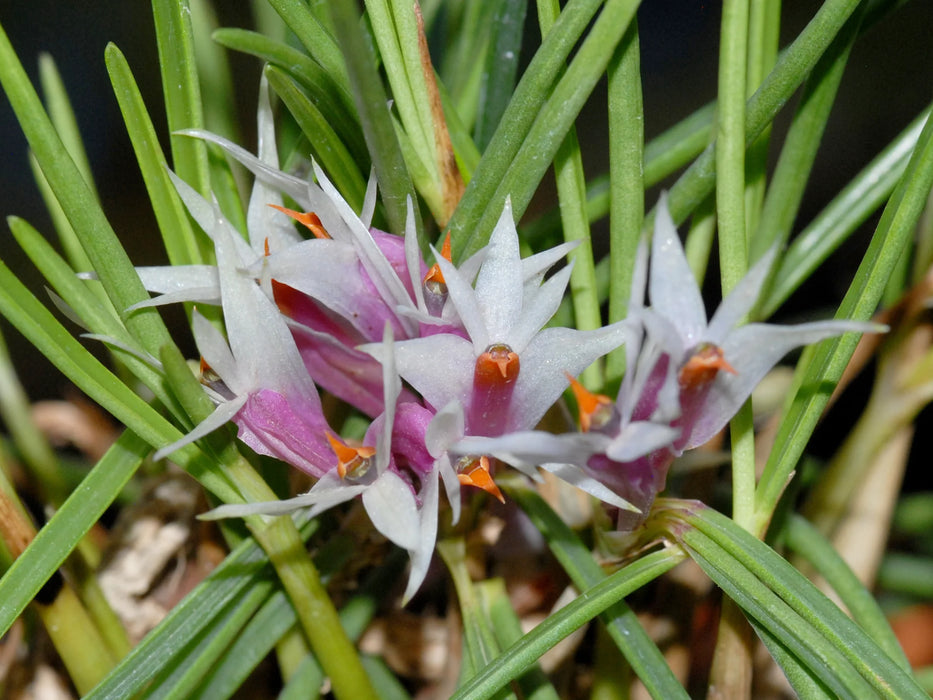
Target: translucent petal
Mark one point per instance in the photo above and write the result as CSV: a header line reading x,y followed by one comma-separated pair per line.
x,y
439,367
740,300
391,506
369,200
427,536
530,448
577,477
499,283
176,278
222,415
640,438
673,288
534,266
216,352
444,429
753,350
539,309
463,298
550,356
451,486
294,187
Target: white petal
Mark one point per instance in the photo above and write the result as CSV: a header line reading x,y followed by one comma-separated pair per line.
x,y
499,283
673,288
126,347
451,485
740,300
392,508
550,356
639,439
413,256
377,266
223,414
176,278
463,298
216,352
439,367
534,266
199,208
577,477
391,388
294,187
427,536
258,334
753,350
264,223
369,200
538,309
445,428
531,448
198,295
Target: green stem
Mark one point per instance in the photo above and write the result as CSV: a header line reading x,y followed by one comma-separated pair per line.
x,y
316,612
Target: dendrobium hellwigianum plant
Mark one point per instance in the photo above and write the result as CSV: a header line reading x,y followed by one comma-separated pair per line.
x,y
355,311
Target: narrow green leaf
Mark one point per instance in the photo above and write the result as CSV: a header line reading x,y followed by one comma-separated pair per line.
x,y
384,680
506,626
793,66
181,90
558,625
244,569
34,447
571,195
35,322
802,142
804,682
369,94
395,31
316,39
530,94
58,538
178,235
768,610
804,539
627,155
98,316
621,622
801,596
730,144
822,365
497,81
326,145
177,679
108,257
554,119
63,118
841,217
334,103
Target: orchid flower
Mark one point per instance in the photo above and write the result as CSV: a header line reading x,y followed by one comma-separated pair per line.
x,y
508,371
382,476
262,382
686,380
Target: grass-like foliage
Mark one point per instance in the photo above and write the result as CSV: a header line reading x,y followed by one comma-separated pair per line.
x,y
397,313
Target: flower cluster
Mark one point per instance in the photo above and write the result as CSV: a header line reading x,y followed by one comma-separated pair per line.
x,y
357,312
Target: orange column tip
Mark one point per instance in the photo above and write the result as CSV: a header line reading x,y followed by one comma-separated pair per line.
x,y
308,219
477,474
352,461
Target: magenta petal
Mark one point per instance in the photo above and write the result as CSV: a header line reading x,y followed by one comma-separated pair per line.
x,y
288,429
